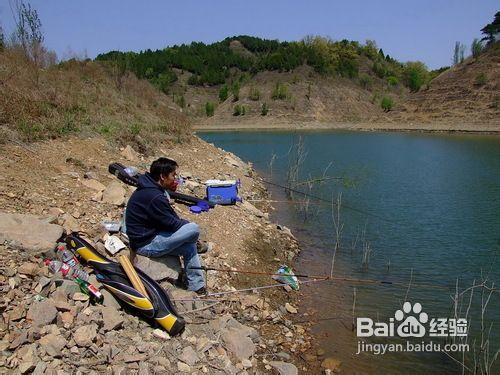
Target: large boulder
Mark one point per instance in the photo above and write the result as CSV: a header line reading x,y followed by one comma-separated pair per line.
x,y
166,267
28,232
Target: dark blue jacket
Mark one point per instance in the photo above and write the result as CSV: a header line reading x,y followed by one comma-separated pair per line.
x,y
149,212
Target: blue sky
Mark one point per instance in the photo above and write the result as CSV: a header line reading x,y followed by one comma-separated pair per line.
x,y
423,30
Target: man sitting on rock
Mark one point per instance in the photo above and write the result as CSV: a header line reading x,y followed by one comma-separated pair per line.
x,y
153,227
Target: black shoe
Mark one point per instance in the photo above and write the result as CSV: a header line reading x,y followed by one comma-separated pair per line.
x,y
203,247
202,291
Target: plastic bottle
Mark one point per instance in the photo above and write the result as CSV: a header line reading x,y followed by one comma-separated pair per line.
x,y
67,272
67,256
90,290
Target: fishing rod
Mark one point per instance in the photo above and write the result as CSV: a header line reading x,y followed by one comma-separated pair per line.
x,y
331,278
326,200
257,272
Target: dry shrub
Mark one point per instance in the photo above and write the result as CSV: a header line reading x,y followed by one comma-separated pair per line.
x,y
84,97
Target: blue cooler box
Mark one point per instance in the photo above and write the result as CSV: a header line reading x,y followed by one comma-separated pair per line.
x,y
222,191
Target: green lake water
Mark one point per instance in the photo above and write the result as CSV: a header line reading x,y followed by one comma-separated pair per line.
x,y
428,207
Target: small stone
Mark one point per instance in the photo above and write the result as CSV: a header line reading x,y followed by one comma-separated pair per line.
x,y
30,269
246,363
40,368
110,300
332,364
67,318
53,344
135,358
189,356
85,336
290,308
17,313
183,367
62,305
78,296
161,334
284,368
112,318
93,184
69,223
28,358
130,154
90,175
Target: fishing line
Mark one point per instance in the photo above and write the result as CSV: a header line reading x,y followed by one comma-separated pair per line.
x,y
329,201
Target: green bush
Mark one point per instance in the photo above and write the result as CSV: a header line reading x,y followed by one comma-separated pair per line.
x,y
386,103
365,81
180,101
280,92
254,94
235,90
135,128
223,93
481,79
379,69
238,110
416,75
209,109
392,81
476,48
264,109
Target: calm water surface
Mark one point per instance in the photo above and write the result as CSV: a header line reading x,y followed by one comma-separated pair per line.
x,y
428,207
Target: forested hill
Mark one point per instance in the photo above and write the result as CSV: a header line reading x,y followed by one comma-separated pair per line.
x,y
215,64
247,80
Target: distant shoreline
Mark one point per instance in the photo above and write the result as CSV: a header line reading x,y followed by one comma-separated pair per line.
x,y
487,129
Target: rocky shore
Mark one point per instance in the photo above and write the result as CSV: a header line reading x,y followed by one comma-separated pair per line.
x,y
50,327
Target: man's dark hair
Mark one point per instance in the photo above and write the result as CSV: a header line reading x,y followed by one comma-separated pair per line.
x,y
161,166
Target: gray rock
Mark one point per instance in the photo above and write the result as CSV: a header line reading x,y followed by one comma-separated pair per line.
x,y
112,318
235,161
241,346
183,367
94,185
114,194
40,368
189,356
167,267
53,344
252,209
28,232
85,335
284,368
130,154
42,313
69,223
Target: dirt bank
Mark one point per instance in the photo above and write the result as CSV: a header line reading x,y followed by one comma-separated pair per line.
x,y
252,124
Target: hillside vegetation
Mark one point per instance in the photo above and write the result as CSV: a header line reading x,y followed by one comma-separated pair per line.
x,y
468,92
85,97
